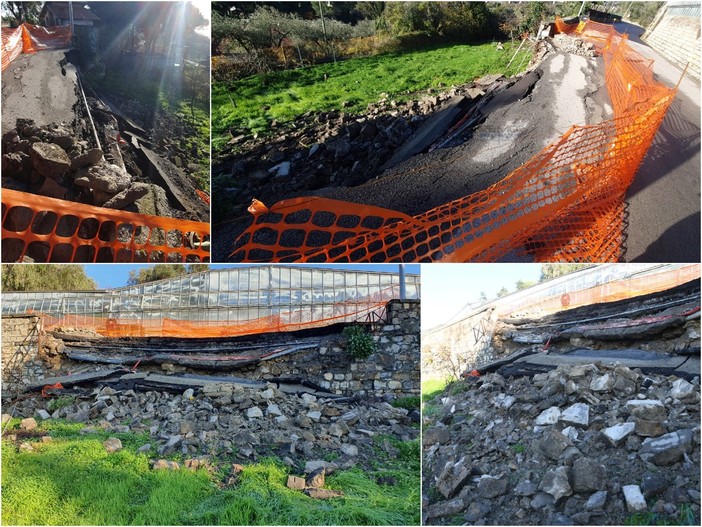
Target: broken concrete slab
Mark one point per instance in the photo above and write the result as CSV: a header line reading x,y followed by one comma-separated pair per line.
x,y
431,130
177,184
49,160
105,177
127,196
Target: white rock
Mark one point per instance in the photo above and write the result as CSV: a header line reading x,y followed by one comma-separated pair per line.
x,y
273,410
188,394
681,389
602,383
617,433
635,501
577,414
315,415
44,414
254,412
571,433
349,450
549,416
504,401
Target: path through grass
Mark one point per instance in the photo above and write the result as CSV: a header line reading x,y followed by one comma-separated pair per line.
x,y
251,104
74,481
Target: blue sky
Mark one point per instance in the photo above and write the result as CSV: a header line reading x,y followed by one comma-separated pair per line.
x,y
108,276
447,288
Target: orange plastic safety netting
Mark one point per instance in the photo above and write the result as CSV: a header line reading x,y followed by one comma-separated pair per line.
x,y
292,320
28,38
51,230
579,292
565,204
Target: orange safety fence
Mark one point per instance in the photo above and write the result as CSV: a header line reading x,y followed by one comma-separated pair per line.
x,y
293,320
11,45
565,204
28,38
572,296
52,230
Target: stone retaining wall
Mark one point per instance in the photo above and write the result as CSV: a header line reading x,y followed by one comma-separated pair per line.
x,y
20,348
677,38
393,369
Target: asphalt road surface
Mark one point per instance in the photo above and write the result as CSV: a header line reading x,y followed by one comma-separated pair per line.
x,y
37,87
565,90
664,199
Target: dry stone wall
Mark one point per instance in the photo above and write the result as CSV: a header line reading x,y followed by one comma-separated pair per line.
x,y
393,369
20,351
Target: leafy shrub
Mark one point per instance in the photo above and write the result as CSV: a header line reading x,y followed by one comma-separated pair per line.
x,y
360,342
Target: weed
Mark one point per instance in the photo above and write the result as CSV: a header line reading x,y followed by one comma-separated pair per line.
x,y
519,448
458,387
409,403
360,342
331,456
61,402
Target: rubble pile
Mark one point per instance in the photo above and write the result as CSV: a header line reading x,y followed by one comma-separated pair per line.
x,y
574,45
580,445
328,149
222,419
51,162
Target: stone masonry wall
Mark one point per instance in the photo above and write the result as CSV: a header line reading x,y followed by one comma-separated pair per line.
x,y
677,38
394,368
20,331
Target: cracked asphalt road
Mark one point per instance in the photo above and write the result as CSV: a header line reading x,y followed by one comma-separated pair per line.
x,y
37,87
564,90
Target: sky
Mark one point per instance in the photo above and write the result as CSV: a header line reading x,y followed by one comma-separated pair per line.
x,y
109,276
447,288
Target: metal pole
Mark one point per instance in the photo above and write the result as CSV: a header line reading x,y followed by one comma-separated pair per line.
x,y
324,27
403,287
70,15
582,6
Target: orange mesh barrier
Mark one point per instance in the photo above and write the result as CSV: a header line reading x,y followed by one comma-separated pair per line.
x,y
283,322
52,230
607,292
38,38
11,45
30,39
565,204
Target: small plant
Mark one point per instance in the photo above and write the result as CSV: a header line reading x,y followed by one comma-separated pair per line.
x,y
360,342
408,403
518,448
61,402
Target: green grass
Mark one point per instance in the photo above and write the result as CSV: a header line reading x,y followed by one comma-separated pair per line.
x,y
684,516
433,387
251,104
74,481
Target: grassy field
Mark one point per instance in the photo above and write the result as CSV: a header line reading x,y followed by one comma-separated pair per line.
x,y
72,480
251,104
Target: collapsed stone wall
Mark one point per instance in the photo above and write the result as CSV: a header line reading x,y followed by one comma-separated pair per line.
x,y
20,351
393,369
580,445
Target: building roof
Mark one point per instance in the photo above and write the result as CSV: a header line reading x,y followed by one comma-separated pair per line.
x,y
60,10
